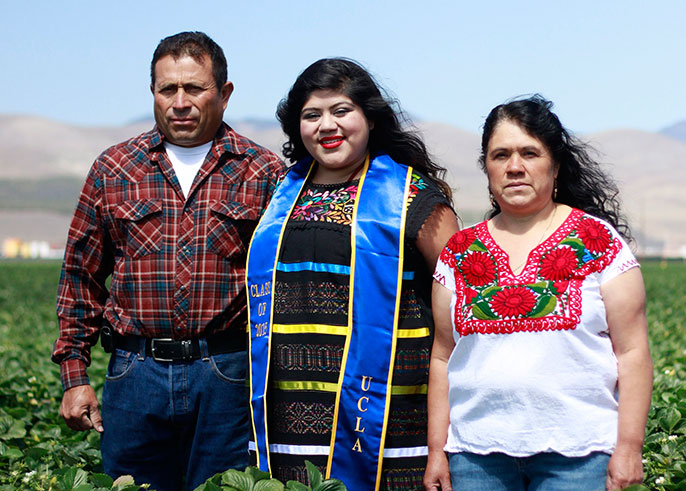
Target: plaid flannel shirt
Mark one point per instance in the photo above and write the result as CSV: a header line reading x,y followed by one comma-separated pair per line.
x,y
177,265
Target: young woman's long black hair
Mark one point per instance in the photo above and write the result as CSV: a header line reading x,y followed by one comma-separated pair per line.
x,y
581,182
389,136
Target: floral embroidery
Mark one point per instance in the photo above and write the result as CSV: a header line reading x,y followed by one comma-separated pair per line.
x,y
470,294
416,184
559,263
594,235
462,240
560,286
335,204
327,205
478,269
545,296
448,257
513,301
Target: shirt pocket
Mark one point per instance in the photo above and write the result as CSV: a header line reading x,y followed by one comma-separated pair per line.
x,y
229,227
141,221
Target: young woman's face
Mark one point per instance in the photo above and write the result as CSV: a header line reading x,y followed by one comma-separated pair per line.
x,y
335,132
521,171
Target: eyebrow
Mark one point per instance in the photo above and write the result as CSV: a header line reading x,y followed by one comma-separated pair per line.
x,y
190,83
305,109
334,106
525,147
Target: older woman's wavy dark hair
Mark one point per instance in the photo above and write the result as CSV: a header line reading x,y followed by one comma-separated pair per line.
x,y
389,136
581,182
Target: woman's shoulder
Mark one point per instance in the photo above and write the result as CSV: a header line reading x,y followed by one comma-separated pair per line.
x,y
424,197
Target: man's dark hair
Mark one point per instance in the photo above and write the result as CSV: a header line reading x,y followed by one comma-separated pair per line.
x,y
196,45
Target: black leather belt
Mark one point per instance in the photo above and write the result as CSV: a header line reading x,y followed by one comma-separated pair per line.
x,y
165,349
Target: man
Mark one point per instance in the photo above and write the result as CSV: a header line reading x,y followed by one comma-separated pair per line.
x,y
168,215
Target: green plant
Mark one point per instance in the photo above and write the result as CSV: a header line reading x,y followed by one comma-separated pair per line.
x,y
664,452
253,479
39,452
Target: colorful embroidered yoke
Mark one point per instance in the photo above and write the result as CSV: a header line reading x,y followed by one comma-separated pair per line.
x,y
533,368
311,294
546,295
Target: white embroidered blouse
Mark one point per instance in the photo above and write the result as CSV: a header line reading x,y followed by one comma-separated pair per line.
x,y
533,368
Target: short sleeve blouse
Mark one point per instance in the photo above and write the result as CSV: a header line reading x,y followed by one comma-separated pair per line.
x,y
533,369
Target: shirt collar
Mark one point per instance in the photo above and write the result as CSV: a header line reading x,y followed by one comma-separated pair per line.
x,y
226,140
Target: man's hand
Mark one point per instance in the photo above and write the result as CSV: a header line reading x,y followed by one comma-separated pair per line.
x,y
80,409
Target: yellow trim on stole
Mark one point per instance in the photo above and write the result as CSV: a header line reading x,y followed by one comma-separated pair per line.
x,y
420,332
396,390
396,318
309,329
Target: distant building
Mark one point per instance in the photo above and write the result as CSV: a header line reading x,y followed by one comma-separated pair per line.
x,y
13,248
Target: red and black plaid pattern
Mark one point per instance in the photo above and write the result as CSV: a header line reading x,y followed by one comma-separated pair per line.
x,y
177,265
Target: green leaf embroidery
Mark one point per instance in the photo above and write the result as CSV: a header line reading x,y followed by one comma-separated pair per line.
x,y
545,305
482,311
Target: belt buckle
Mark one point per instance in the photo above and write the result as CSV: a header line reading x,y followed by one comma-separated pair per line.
x,y
153,341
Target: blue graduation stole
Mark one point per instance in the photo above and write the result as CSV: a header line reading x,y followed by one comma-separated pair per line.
x,y
364,386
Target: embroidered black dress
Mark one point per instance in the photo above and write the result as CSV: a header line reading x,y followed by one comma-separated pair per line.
x,y
310,313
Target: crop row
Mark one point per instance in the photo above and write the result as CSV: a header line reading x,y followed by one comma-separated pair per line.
x,y
37,451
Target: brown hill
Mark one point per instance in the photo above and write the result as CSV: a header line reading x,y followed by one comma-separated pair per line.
x,y
650,168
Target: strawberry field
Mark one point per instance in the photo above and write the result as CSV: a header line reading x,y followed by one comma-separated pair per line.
x,y
38,452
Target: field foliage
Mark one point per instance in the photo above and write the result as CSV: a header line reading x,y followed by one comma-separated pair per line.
x,y
37,451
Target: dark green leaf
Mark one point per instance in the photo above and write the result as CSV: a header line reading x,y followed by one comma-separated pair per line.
x,y
101,480
331,485
256,473
12,453
545,305
296,486
481,310
313,474
669,418
268,485
238,479
35,452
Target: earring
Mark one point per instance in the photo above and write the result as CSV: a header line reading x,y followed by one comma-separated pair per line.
x,y
491,198
555,189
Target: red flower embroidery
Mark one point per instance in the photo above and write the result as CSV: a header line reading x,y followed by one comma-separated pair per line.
x,y
595,236
478,269
461,240
469,295
558,264
448,257
560,287
513,302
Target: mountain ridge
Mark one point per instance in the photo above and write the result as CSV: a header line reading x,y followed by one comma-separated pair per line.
x,y
649,168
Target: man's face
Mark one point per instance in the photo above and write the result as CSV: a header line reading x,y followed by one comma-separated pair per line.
x,y
189,106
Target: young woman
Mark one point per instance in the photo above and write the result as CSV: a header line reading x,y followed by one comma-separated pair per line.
x,y
339,280
541,375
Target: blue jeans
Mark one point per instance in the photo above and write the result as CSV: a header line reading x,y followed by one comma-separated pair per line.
x,y
167,423
540,472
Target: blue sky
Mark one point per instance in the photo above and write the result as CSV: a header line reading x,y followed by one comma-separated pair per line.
x,y
605,64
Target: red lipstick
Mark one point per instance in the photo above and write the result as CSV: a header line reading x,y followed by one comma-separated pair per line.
x,y
331,141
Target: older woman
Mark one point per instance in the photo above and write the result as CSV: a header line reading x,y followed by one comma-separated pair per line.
x,y
339,281
541,375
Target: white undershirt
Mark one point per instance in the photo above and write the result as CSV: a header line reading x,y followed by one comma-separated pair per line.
x,y
186,162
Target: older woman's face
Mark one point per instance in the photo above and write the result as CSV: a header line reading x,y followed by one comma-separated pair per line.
x,y
335,132
521,172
